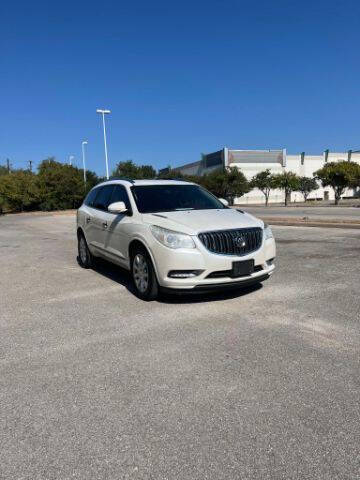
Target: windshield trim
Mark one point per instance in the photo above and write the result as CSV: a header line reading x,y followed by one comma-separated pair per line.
x,y
220,206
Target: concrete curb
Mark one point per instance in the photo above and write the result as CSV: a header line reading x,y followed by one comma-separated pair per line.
x,y
291,222
39,213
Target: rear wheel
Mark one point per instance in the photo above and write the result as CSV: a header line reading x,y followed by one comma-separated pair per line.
x,y
85,258
143,274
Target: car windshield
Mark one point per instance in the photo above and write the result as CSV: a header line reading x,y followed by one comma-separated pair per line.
x,y
171,198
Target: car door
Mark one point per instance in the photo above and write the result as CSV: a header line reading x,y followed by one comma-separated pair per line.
x,y
116,238
88,214
99,220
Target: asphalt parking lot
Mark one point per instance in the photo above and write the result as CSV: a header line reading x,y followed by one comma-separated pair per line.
x,y
96,384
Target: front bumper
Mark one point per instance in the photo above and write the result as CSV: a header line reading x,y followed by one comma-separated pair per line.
x,y
199,258
204,288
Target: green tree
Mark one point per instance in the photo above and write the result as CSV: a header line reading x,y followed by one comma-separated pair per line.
x,y
288,182
228,184
2,205
126,169
147,171
3,170
131,170
62,186
307,185
92,179
339,176
19,191
355,182
264,181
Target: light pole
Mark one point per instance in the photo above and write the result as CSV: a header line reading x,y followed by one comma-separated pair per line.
x,y
83,158
103,112
71,158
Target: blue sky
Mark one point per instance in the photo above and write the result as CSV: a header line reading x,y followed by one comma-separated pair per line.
x,y
181,78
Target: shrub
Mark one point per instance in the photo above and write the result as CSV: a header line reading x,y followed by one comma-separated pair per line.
x,y
19,190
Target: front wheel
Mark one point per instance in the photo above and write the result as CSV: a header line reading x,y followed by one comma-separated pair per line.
x,y
143,274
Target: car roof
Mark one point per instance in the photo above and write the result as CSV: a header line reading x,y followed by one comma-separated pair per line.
x,y
129,182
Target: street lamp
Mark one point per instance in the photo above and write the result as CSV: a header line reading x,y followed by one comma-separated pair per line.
x,y
83,158
71,158
103,112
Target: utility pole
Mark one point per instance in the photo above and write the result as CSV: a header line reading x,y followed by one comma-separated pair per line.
x,y
8,165
83,157
103,113
30,165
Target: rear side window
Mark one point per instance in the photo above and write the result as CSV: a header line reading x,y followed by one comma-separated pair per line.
x,y
89,200
102,200
119,194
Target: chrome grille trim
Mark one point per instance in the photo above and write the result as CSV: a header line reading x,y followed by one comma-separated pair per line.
x,y
239,241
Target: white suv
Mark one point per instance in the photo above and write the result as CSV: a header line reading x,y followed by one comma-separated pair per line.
x,y
173,235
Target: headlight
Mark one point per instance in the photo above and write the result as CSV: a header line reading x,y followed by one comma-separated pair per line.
x,y
267,232
172,239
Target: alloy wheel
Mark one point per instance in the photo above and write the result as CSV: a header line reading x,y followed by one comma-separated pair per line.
x,y
83,250
141,273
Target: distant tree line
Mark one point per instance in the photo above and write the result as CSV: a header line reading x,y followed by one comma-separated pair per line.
x,y
337,175
57,186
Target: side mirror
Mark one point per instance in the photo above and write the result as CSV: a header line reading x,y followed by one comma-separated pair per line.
x,y
117,207
224,202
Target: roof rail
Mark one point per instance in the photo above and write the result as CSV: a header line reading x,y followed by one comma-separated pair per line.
x,y
127,179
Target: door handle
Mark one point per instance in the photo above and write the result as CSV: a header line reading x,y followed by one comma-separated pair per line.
x,y
105,224
88,219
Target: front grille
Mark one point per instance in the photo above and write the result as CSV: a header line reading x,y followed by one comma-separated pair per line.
x,y
239,242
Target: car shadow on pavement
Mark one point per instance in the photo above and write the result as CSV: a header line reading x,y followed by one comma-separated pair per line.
x,y
208,297
113,272
122,276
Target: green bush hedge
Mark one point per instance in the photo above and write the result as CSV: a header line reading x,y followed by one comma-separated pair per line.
x,y
55,187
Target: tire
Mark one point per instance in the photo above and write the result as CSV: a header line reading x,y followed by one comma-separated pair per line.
x,y
143,275
85,258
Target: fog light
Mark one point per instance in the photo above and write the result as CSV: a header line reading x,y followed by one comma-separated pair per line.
x,y
184,273
270,262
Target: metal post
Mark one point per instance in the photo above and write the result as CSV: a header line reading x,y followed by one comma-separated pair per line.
x,y
105,146
103,112
83,157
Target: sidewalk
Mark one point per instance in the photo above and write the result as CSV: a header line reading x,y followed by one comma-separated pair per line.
x,y
307,222
336,216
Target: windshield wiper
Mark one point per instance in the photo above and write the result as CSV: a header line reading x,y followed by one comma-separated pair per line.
x,y
183,209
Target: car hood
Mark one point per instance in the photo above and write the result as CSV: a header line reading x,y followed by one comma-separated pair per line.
x,y
193,222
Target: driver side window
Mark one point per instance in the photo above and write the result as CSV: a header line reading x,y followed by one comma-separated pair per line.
x,y
102,200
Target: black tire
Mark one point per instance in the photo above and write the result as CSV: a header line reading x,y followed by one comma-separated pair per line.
x,y
85,258
148,289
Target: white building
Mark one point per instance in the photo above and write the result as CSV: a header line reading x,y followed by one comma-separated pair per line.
x,y
251,162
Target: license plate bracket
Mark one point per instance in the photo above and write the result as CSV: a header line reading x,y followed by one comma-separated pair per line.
x,y
242,268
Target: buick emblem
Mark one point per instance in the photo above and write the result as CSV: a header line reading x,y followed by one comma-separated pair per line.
x,y
240,242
